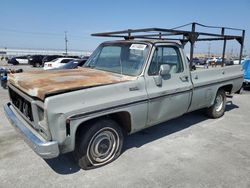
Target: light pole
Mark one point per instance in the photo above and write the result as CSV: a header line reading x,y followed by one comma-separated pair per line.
x,y
66,43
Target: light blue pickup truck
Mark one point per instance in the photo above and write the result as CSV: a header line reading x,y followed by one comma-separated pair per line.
x,y
124,87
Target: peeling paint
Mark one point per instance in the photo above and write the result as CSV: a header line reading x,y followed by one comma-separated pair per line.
x,y
42,83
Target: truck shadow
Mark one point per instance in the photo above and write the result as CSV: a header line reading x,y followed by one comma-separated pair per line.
x,y
164,129
65,164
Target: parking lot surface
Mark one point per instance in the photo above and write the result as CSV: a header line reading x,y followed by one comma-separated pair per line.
x,y
190,151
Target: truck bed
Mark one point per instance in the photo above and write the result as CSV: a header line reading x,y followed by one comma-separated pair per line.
x,y
207,80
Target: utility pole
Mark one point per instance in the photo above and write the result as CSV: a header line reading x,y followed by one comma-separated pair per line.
x,y
232,52
209,50
66,43
244,52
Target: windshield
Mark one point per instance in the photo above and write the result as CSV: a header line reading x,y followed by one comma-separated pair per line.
x,y
54,60
125,58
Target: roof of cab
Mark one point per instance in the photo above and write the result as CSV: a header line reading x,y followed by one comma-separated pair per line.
x,y
148,41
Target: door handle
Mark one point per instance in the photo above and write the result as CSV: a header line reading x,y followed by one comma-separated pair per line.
x,y
184,78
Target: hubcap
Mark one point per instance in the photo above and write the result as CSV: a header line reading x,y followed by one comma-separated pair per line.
x,y
218,103
103,146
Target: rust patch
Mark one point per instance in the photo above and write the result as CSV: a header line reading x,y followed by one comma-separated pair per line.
x,y
41,83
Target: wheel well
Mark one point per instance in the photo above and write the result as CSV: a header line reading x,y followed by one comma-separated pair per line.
x,y
122,118
227,88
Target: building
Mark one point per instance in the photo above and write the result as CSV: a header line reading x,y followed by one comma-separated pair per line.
x,y
9,52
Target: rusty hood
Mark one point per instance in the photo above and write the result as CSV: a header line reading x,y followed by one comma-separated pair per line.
x,y
42,83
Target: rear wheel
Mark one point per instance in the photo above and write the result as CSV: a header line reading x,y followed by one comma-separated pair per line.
x,y
99,144
218,108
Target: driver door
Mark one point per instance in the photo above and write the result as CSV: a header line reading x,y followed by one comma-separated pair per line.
x,y
172,98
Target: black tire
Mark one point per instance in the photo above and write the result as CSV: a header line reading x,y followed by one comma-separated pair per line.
x,y
244,86
98,144
240,91
218,108
37,64
4,84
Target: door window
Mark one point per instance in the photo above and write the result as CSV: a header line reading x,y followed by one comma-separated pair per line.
x,y
166,55
65,60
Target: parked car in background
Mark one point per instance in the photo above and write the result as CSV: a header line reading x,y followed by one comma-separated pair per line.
x,y
56,63
18,60
218,61
4,75
246,69
196,61
72,56
199,61
49,58
36,60
227,62
73,64
237,61
213,61
22,59
13,61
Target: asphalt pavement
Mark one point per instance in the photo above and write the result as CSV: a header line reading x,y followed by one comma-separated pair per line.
x,y
190,151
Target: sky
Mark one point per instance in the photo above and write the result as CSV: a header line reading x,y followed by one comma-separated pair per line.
x,y
41,24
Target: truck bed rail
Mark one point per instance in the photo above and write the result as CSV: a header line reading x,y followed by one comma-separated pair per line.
x,y
185,36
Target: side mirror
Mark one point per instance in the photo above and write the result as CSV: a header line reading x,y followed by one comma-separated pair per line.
x,y
164,70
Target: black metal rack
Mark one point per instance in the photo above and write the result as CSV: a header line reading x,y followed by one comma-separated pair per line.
x,y
186,36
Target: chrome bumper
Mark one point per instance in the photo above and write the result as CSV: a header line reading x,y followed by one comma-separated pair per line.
x,y
44,149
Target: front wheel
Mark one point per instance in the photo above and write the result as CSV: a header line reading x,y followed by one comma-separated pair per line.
x,y
218,108
98,144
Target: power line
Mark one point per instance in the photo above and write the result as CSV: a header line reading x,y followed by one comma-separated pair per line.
x,y
39,33
28,32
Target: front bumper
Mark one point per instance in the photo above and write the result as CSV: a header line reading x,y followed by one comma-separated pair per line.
x,y
45,149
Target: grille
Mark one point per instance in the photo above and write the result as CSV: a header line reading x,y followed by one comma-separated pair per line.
x,y
22,104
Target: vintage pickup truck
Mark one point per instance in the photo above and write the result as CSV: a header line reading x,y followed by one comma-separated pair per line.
x,y
124,87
